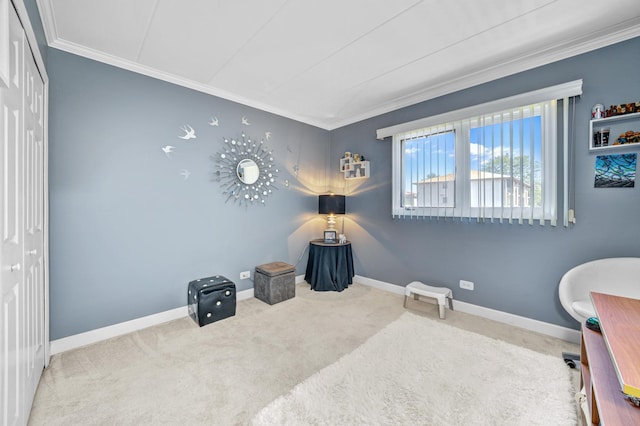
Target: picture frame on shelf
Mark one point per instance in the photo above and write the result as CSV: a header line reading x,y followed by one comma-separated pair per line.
x,y
330,237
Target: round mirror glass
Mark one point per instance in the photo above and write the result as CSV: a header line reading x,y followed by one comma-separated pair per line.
x,y
248,171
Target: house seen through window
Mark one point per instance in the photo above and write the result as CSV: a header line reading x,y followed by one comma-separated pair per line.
x,y
493,161
488,166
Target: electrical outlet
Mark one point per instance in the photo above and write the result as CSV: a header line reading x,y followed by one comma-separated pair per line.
x,y
245,275
467,285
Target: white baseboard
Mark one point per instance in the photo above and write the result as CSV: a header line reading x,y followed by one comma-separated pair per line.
x,y
541,327
93,336
380,285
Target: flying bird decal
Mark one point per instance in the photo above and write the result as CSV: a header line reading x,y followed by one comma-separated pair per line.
x,y
189,133
168,149
214,121
245,121
185,174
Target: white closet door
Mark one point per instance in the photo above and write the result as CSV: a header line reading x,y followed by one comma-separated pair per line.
x,y
33,224
21,229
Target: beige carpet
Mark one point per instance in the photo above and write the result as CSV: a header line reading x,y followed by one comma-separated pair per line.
x,y
419,371
226,372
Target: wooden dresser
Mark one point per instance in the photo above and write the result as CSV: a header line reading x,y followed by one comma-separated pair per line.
x,y
610,361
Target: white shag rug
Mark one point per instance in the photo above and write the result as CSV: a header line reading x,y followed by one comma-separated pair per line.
x,y
421,371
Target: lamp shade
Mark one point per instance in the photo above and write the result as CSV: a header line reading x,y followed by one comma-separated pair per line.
x,y
331,204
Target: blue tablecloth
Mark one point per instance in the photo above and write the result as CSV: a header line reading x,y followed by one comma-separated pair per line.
x,y
330,266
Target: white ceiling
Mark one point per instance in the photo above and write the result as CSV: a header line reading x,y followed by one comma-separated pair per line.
x,y
333,62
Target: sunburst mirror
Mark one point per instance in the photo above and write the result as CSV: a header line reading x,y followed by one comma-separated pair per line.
x,y
245,170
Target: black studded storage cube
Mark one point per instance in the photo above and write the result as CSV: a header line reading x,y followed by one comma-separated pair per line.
x,y
211,299
274,282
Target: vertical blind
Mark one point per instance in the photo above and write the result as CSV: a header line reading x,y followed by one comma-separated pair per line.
x,y
499,165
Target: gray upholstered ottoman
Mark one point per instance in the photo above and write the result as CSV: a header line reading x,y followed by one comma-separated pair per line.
x,y
274,282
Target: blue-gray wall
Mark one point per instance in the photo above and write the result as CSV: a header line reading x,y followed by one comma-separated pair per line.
x,y
127,231
515,268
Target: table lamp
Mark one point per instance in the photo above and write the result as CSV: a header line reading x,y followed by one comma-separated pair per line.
x,y
331,205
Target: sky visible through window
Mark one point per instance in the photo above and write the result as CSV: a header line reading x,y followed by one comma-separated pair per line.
x,y
490,149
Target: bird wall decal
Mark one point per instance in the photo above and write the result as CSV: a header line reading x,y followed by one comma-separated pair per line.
x,y
189,132
213,121
168,149
185,174
245,121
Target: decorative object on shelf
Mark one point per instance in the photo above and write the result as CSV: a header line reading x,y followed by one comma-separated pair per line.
x,y
342,239
331,205
615,171
246,170
354,167
628,137
601,129
597,111
601,137
622,109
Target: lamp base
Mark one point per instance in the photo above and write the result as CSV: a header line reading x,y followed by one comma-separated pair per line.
x,y
331,222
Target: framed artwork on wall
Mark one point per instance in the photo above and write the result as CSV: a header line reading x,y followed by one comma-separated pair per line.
x,y
330,237
616,171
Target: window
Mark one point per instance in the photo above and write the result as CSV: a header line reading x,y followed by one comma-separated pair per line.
x,y
495,161
428,167
490,166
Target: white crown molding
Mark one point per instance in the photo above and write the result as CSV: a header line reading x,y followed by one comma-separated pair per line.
x,y
128,65
546,55
549,54
48,21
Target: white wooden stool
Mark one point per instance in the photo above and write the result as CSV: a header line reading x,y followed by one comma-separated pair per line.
x,y
440,293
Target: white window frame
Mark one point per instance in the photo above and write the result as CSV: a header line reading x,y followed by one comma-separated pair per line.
x,y
562,91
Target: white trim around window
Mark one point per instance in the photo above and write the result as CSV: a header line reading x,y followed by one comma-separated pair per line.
x,y
560,91
493,161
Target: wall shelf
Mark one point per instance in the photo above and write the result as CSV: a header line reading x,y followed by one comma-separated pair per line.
x,y
617,125
354,169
